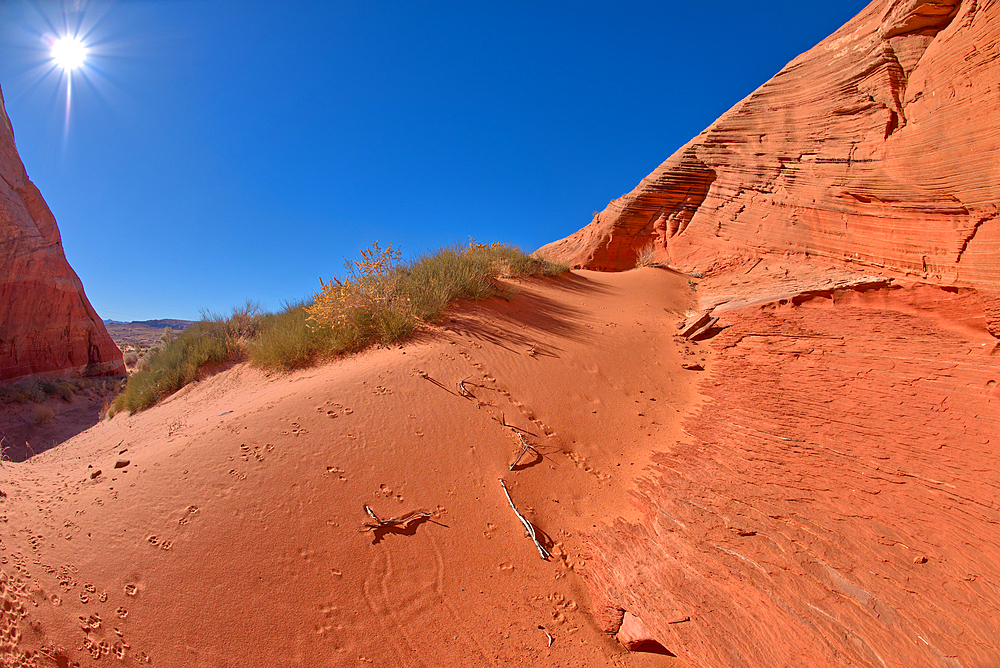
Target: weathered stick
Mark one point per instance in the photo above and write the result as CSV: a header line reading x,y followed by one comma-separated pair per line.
x,y
391,522
527,525
463,390
526,447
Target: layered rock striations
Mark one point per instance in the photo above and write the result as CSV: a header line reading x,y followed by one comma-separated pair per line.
x,y
47,326
877,147
837,499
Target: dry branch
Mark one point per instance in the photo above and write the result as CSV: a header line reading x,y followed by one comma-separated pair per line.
x,y
392,521
526,447
527,525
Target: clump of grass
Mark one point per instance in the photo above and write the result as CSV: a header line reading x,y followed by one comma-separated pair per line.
x,y
44,414
380,301
286,341
176,363
646,256
39,390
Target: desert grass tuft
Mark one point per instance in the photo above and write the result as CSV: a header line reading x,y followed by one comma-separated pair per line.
x,y
646,256
176,363
39,390
44,414
380,301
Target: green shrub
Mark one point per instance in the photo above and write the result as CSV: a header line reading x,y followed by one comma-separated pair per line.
x,y
380,301
173,365
285,341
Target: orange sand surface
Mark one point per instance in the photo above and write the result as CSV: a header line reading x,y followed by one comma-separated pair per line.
x,y
224,527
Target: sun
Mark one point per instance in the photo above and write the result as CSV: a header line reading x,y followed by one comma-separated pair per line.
x,y
68,53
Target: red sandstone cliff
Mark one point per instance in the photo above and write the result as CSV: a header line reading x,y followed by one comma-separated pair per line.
x,y
46,323
879,147
838,500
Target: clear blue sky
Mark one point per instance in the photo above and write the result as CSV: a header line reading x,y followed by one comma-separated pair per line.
x,y
218,151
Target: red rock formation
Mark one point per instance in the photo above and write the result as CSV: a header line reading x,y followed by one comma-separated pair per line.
x,y
838,500
877,147
47,326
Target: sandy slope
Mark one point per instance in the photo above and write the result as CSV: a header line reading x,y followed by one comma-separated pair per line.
x,y
231,535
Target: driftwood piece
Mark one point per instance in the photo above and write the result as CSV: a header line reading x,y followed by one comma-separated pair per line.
x,y
392,521
527,525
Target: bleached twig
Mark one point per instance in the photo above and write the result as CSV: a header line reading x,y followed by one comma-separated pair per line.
x,y
550,637
391,522
527,525
526,447
461,388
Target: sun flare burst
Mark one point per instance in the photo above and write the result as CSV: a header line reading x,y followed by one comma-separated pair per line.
x,y
68,53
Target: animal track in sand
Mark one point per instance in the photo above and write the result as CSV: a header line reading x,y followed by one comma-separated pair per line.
x,y
327,624
381,390
339,472
295,428
91,622
386,492
131,590
582,463
248,452
122,612
334,409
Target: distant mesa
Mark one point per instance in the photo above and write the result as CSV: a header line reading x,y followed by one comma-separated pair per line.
x,y
47,326
163,323
143,333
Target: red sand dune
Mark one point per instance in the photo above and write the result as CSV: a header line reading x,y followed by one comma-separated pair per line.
x,y
804,473
223,527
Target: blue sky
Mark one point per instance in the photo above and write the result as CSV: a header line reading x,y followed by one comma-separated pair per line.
x,y
220,151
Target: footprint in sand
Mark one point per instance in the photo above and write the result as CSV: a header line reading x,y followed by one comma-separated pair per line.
x,y
131,590
339,472
122,612
334,409
91,622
